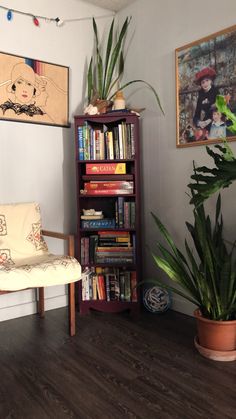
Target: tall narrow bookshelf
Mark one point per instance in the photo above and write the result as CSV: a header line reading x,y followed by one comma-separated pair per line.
x,y
107,150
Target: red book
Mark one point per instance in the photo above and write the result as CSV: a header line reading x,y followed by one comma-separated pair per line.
x,y
105,168
108,191
115,184
101,287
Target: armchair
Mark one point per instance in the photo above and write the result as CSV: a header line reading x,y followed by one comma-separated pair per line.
x,y
25,261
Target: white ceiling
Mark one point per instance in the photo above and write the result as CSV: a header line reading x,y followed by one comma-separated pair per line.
x,y
114,5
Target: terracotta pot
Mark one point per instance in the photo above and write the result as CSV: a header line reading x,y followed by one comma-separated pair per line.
x,y
216,335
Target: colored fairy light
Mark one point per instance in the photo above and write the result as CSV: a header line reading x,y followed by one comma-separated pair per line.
x,y
59,21
9,15
35,20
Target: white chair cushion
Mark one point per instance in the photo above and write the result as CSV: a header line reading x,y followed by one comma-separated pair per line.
x,y
20,232
24,258
39,271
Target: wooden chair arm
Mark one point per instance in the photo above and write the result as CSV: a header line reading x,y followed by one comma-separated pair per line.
x,y
69,237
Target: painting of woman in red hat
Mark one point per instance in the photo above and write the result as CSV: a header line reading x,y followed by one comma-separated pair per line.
x,y
206,98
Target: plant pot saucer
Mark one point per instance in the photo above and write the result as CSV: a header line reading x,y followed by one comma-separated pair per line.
x,y
215,355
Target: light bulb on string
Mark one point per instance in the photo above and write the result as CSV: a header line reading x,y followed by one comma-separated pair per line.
x,y
35,20
9,15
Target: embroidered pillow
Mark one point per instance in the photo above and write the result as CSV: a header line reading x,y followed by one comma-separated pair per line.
x,y
20,232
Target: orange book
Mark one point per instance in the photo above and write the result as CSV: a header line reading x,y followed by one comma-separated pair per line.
x,y
101,287
105,168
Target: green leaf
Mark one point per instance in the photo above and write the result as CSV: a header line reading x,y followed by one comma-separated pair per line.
x,y
99,74
114,56
147,84
90,80
108,53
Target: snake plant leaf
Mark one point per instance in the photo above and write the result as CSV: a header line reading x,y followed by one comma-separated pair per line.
x,y
114,56
108,54
90,80
99,74
169,288
179,271
147,84
120,72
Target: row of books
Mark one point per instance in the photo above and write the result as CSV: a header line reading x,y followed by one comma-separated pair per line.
x,y
124,216
106,247
116,285
105,142
108,187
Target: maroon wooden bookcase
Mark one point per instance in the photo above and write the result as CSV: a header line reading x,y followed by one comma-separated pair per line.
x,y
107,205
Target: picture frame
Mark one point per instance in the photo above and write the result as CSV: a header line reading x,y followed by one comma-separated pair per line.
x,y
33,91
204,69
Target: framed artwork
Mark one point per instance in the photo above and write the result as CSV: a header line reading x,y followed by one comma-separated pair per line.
x,y
204,69
33,91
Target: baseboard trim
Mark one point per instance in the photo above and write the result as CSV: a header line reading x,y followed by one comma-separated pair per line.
x,y
27,309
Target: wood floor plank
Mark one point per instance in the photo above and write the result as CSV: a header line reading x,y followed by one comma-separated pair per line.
x,y
114,368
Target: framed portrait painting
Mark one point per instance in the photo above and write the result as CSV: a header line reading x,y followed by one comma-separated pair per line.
x,y
205,69
33,91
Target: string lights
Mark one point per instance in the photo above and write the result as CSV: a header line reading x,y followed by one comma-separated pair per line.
x,y
36,19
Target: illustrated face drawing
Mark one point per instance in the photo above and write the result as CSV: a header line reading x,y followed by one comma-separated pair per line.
x,y
24,90
24,83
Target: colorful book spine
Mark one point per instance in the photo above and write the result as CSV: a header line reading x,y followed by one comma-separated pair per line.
x,y
105,168
80,143
108,191
119,184
104,223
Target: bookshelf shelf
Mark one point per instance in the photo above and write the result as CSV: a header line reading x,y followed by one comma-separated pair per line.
x,y
107,151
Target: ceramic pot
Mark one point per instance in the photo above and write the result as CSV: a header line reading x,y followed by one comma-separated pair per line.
x,y
216,335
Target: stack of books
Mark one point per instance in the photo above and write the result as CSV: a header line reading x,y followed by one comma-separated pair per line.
x,y
112,187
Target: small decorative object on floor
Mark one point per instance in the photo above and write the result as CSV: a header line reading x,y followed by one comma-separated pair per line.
x,y
156,299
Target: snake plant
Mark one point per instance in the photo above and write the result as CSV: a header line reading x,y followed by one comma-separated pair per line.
x,y
106,66
207,275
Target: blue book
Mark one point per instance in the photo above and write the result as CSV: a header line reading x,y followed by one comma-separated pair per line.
x,y
103,223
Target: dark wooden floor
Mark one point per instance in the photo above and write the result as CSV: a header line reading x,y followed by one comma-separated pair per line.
x,y
114,367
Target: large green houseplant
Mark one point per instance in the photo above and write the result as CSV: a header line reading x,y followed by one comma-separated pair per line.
x,y
106,66
206,275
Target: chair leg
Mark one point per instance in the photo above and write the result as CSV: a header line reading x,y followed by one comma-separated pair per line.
x,y
41,309
72,309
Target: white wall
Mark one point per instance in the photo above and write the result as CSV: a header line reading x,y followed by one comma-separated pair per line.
x,y
157,28
37,161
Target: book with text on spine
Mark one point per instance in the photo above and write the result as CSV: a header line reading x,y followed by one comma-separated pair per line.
x,y
107,192
105,168
112,184
104,223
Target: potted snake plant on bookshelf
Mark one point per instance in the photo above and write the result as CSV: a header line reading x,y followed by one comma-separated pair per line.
x,y
206,276
106,68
